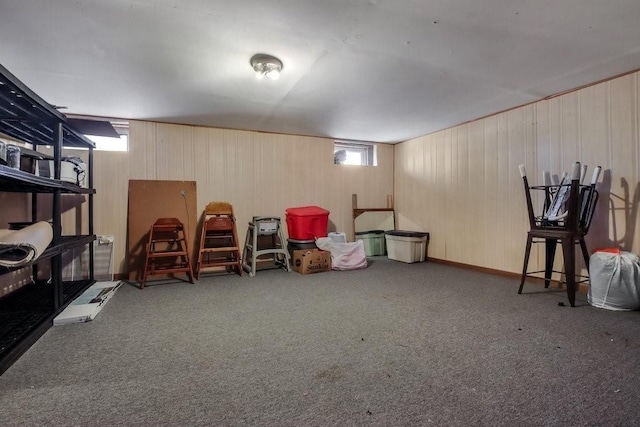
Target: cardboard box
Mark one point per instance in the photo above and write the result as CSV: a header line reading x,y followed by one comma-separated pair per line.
x,y
311,261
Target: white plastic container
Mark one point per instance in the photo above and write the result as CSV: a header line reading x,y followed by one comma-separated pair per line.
x,y
13,156
407,246
73,170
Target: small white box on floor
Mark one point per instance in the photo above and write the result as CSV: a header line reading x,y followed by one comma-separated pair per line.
x,y
87,306
407,246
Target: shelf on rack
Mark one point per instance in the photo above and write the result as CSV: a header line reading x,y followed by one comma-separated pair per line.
x,y
14,180
66,243
25,315
18,331
17,323
37,296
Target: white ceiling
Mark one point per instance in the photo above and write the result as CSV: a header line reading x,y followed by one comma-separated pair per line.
x,y
371,70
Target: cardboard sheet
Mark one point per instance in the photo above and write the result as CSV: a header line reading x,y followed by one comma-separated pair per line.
x,y
150,200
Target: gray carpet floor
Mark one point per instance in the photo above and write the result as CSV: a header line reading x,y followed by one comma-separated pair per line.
x,y
393,345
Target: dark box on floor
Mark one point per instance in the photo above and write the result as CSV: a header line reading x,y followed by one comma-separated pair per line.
x,y
311,261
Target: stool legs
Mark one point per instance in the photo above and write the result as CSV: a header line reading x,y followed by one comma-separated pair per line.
x,y
585,253
549,257
569,253
527,252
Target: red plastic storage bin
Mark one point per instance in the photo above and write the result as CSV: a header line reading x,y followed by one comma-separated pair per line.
x,y
307,222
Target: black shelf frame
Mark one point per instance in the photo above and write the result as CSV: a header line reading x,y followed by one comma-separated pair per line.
x,y
28,312
28,118
21,327
17,181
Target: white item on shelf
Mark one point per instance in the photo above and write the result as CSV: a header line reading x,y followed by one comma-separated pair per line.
x,y
73,170
20,247
13,156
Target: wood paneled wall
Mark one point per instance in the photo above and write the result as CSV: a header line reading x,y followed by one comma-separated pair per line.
x,y
463,186
259,173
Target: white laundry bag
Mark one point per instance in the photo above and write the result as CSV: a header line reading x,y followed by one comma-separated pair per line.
x,y
614,280
344,256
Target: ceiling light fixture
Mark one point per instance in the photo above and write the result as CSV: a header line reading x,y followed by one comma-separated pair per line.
x,y
266,65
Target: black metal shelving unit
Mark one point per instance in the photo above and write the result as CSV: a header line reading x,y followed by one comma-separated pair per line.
x,y
27,313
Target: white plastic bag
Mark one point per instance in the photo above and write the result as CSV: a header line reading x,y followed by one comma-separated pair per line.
x,y
344,256
615,280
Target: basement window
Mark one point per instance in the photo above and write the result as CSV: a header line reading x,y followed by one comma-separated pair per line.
x,y
354,153
105,143
111,143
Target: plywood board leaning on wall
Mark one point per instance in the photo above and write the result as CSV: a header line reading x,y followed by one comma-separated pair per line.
x,y
150,200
